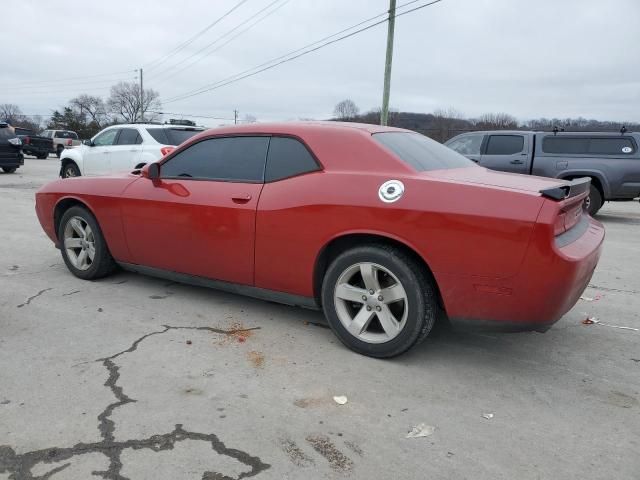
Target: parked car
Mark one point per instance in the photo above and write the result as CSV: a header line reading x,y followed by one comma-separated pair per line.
x,y
32,144
11,156
62,139
123,147
383,228
610,160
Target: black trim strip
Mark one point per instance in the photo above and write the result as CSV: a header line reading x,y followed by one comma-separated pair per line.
x,y
574,232
246,290
575,187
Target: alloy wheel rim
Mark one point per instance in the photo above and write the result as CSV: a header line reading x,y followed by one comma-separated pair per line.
x,y
70,172
371,302
79,243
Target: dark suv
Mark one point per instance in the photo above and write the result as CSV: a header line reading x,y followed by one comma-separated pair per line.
x,y
10,149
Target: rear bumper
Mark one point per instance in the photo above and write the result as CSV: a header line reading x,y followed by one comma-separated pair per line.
x,y
549,283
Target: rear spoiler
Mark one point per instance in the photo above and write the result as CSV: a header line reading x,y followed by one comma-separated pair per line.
x,y
574,188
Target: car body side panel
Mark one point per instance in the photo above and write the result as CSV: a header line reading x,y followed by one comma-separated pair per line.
x,y
456,229
100,195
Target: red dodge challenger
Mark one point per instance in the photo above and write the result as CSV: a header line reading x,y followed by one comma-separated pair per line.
x,y
380,227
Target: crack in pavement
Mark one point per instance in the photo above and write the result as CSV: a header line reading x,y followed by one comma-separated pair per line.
x,y
33,297
20,466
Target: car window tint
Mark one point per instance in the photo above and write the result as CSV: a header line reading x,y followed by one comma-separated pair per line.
x,y
288,157
421,152
178,135
106,138
159,135
66,134
128,136
569,145
504,144
611,146
467,145
229,158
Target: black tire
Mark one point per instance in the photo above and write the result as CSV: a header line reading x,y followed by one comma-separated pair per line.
x,y
59,150
103,263
42,156
594,201
421,300
70,170
9,169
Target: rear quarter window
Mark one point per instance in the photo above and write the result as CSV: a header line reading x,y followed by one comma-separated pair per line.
x,y
172,136
288,157
421,152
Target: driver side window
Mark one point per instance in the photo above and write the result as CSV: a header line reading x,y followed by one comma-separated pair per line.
x,y
106,138
230,159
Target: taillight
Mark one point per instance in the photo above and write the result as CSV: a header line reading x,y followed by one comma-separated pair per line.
x,y
568,217
69,142
166,150
26,140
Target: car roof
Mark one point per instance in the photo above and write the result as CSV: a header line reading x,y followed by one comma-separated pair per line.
x,y
157,125
303,127
546,132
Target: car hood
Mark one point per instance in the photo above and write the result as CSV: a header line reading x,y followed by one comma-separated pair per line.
x,y
483,176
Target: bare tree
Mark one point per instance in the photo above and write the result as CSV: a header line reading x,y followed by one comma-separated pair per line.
x,y
446,123
10,113
248,118
346,110
91,106
126,103
496,121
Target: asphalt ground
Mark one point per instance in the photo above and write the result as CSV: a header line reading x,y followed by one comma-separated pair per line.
x,y
139,378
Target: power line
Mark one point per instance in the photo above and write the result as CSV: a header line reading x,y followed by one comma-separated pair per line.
x,y
54,81
303,51
188,42
174,73
191,115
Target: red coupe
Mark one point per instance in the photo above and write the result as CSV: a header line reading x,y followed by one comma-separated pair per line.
x,y
382,228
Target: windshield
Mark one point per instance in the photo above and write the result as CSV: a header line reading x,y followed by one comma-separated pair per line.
x,y
172,136
421,152
6,133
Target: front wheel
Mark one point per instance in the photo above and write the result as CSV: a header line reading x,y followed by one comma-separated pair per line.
x,y
84,249
378,300
9,169
70,170
594,200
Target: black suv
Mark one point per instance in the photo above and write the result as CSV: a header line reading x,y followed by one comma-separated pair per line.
x,y
10,149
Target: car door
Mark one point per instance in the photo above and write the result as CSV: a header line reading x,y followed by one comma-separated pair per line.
x,y
468,144
507,153
95,158
199,217
126,153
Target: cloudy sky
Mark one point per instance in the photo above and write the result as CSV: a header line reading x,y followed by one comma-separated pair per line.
x,y
544,58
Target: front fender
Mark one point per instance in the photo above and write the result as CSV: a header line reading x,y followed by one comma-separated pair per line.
x,y
75,155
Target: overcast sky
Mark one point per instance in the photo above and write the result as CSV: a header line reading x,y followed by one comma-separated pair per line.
x,y
544,58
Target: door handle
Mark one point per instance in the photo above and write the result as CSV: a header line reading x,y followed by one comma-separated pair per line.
x,y
517,162
241,198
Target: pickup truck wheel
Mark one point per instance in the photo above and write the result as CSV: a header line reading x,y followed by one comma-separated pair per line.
x,y
594,200
43,156
378,301
83,246
70,170
9,169
59,150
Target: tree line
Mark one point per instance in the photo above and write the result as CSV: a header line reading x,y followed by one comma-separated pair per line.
x,y
88,114
444,124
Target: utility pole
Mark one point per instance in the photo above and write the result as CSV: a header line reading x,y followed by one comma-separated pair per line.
x,y
142,97
384,113
235,117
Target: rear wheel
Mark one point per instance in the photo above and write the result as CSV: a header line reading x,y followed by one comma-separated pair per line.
x,y
83,246
70,169
378,301
594,200
9,169
42,156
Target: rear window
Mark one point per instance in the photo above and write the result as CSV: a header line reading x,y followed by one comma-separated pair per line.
x,y
172,136
66,134
589,145
23,131
421,152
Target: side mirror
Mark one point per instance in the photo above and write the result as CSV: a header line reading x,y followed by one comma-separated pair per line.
x,y
152,171
88,142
